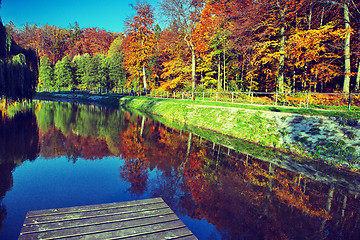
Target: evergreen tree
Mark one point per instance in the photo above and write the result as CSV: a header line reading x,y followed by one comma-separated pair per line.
x,y
78,70
83,69
104,73
91,71
46,73
63,73
116,71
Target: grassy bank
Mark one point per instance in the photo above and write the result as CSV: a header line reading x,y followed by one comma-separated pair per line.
x,y
329,137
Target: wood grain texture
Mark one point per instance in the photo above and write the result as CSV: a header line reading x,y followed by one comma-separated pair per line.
x,y
140,219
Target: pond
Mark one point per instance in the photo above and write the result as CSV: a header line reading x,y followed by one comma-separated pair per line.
x,y
58,155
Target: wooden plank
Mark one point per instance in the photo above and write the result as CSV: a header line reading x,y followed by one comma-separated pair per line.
x,y
83,222
180,233
150,219
106,206
136,232
127,227
89,214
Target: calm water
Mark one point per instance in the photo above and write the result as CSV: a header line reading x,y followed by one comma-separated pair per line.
x,y
62,155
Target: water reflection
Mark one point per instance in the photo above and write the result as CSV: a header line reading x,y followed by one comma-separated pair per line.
x,y
18,142
242,196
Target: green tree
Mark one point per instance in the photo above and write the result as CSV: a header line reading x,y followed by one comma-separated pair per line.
x,y
116,71
63,73
115,46
78,69
46,73
103,73
82,69
92,71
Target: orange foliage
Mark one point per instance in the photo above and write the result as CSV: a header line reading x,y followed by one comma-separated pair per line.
x,y
56,42
140,40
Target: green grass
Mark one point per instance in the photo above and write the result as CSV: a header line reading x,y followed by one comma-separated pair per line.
x,y
353,114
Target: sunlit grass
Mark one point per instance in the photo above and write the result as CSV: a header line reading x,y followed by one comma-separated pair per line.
x,y
354,113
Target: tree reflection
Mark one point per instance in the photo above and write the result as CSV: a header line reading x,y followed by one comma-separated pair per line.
x,y
19,142
77,131
135,171
242,196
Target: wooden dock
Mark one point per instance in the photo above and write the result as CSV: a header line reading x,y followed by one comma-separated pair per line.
x,y
141,219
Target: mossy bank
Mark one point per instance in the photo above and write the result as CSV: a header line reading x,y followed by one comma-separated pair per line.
x,y
334,141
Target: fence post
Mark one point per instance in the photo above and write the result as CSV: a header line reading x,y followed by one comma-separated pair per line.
x,y
174,94
183,96
216,96
167,94
349,101
276,98
232,97
252,98
203,96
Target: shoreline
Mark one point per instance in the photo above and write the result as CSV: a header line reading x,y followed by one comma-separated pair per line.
x,y
329,140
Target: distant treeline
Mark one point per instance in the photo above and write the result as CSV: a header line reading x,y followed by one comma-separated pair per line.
x,y
237,45
18,69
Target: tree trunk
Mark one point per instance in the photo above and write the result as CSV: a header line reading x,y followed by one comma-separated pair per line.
x,y
346,86
193,57
280,77
251,81
193,64
224,69
357,85
309,18
189,145
219,73
242,75
144,78
142,126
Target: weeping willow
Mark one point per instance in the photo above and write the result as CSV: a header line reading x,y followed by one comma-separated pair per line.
x,y
18,69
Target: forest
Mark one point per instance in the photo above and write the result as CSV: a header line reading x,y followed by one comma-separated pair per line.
x,y
213,45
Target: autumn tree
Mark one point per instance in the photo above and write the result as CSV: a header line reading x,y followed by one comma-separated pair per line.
x,y
212,37
174,55
185,14
140,41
